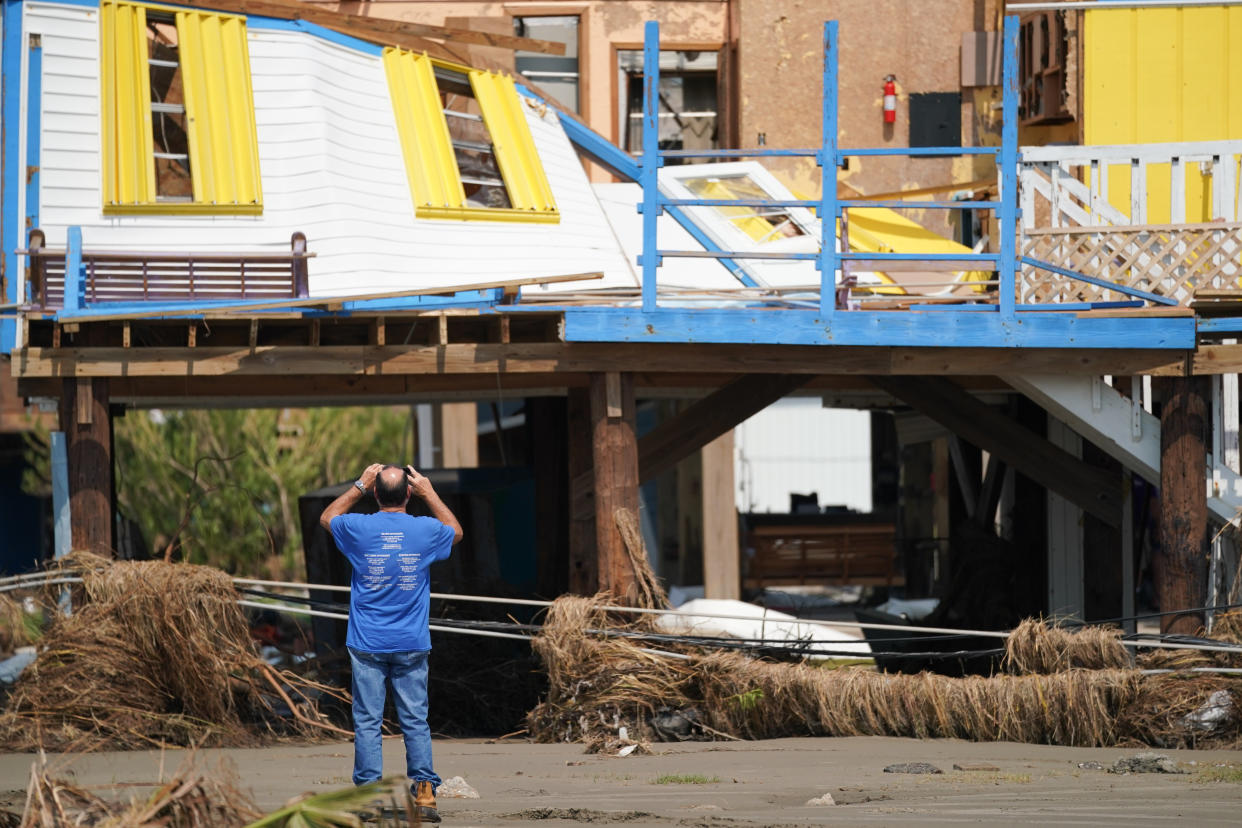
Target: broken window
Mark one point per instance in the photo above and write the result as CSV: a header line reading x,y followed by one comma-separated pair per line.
x,y
472,142
556,75
468,148
761,224
687,117
168,124
176,112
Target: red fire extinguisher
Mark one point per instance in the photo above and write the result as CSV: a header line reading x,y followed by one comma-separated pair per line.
x,y
890,99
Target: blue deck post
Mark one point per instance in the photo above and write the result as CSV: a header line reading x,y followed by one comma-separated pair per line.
x,y
62,531
73,270
649,176
34,131
1006,267
828,159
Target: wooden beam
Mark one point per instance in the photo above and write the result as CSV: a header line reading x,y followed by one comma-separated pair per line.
x,y
709,418
1089,488
544,357
87,424
722,571
1181,571
381,30
704,421
459,435
614,451
1216,359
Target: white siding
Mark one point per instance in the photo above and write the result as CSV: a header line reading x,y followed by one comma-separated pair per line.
x,y
799,446
620,202
331,167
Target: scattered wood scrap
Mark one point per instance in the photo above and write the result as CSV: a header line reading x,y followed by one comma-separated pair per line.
x,y
1217,302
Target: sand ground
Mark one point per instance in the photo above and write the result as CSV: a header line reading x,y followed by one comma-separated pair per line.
x,y
735,784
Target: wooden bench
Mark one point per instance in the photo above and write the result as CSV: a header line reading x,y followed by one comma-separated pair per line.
x,y
798,555
115,276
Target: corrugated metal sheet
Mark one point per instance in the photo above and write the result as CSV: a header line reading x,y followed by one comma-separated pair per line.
x,y
332,168
798,446
125,87
1158,75
425,142
215,67
511,138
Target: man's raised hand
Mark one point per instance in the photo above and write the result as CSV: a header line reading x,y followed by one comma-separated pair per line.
x,y
369,474
420,484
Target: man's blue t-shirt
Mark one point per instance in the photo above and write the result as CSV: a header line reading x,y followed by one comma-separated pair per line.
x,y
390,553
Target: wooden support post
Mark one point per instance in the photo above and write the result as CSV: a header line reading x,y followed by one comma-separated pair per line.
x,y
614,450
583,572
87,425
459,435
721,567
1181,578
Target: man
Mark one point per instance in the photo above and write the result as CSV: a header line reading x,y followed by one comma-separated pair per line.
x,y
388,640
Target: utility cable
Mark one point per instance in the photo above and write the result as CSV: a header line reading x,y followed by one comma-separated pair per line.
x,y
1216,646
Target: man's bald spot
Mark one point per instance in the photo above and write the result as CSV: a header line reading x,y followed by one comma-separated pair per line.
x,y
390,486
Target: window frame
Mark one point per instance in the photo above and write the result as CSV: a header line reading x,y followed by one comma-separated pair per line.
x,y
127,163
434,177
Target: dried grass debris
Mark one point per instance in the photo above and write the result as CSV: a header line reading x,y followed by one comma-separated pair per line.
x,y
598,684
192,798
1036,647
154,654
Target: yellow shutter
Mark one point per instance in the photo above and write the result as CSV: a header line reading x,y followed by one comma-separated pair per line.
x,y
513,143
125,96
215,72
425,144
220,123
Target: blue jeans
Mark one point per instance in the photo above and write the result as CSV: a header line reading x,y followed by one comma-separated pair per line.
x,y
407,673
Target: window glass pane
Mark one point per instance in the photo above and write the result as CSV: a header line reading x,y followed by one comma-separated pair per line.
x,y
687,106
472,143
762,224
171,145
555,74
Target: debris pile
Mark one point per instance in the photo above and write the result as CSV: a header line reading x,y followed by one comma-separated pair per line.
x,y
154,654
1035,647
191,798
602,683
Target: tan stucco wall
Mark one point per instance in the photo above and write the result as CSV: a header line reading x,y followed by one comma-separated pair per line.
x,y
780,59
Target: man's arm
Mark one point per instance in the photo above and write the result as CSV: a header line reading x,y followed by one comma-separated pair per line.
x,y
350,496
422,487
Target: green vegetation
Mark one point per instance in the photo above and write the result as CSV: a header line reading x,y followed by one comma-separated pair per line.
x,y
685,779
1220,773
221,487
749,700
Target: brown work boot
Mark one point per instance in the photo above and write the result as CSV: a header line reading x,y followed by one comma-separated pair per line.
x,y
425,802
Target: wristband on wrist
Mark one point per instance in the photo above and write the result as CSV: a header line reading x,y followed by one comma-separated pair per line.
x,y
358,485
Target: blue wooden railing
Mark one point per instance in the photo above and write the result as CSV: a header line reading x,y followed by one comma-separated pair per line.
x,y
829,157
